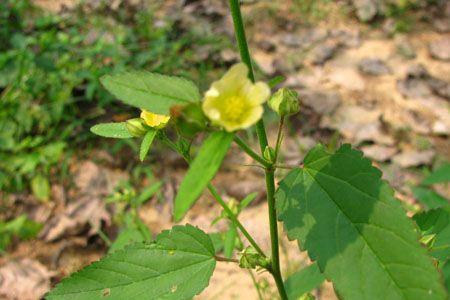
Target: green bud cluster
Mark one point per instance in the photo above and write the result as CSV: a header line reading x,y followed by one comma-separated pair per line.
x,y
251,259
284,102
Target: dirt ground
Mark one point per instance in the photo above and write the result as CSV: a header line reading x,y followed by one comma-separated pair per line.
x,y
387,93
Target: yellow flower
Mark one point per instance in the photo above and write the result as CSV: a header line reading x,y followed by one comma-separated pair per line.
x,y
234,102
154,120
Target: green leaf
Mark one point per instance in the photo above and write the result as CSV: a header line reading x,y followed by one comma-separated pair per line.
x,y
429,198
153,92
273,82
202,170
446,273
230,241
40,187
147,193
23,227
146,143
112,130
436,223
348,220
304,281
178,265
126,237
440,175
217,239
247,200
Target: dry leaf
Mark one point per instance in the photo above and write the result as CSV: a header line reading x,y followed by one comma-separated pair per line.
x,y
85,211
25,279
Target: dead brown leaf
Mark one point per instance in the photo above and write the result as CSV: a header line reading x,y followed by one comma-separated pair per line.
x,y
24,279
85,211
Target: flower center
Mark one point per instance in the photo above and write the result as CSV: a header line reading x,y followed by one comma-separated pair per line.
x,y
234,108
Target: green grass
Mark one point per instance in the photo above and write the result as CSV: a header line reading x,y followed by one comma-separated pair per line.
x,y
50,67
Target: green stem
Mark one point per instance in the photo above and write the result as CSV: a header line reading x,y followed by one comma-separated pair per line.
x,y
262,137
225,259
251,153
279,137
217,197
275,259
234,219
245,56
256,285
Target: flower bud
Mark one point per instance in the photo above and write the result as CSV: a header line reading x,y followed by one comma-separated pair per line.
x,y
136,127
251,259
269,154
284,102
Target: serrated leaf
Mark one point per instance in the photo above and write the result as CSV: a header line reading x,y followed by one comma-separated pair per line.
x,y
177,266
304,281
348,220
445,268
429,198
202,170
154,92
436,223
441,175
112,130
126,237
146,143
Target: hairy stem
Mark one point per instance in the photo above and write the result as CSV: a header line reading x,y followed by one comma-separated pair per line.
x,y
262,137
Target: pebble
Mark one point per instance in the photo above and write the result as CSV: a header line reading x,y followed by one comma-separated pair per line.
x,y
440,49
373,66
323,103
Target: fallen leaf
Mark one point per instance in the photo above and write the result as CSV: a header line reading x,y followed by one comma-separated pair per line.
x,y
358,124
94,180
322,102
25,279
378,152
347,78
413,158
85,211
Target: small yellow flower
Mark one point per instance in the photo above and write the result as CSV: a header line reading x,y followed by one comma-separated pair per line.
x,y
234,102
154,120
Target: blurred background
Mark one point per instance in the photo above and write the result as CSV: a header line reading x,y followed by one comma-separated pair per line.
x,y
374,73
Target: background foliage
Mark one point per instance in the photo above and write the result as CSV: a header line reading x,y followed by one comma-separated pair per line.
x,y
50,67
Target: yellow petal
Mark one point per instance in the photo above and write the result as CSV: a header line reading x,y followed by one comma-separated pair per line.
x,y
254,115
234,102
258,93
154,120
233,81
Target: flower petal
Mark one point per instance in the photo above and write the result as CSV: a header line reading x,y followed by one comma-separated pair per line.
x,y
154,120
231,82
258,93
253,116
